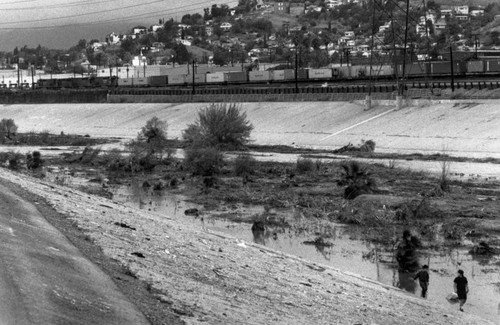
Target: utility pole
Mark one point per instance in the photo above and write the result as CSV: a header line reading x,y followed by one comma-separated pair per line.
x,y
194,89
32,78
370,85
296,71
401,93
451,69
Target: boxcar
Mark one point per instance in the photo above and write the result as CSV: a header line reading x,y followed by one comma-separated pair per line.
x,y
262,76
444,68
492,66
236,77
313,74
158,81
474,67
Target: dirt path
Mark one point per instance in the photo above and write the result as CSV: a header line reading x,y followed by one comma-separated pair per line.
x,y
207,277
44,279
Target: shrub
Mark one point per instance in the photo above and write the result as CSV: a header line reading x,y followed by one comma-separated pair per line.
x,y
8,129
14,160
305,165
34,161
244,165
357,178
203,161
150,146
219,125
89,155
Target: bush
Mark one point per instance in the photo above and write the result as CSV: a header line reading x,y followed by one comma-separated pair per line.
x,y
89,155
244,165
203,161
8,129
357,178
305,165
219,125
12,158
34,161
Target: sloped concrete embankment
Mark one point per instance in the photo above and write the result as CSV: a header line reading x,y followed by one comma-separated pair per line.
x,y
211,278
457,127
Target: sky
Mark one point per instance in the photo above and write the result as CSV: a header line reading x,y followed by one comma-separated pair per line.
x,y
61,23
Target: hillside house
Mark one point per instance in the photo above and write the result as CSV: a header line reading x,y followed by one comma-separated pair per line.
x,y
440,25
113,38
139,30
226,26
477,12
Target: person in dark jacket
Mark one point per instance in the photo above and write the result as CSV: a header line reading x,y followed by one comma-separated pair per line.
x,y
423,279
461,287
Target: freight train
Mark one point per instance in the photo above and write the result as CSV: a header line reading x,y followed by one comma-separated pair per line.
x,y
415,70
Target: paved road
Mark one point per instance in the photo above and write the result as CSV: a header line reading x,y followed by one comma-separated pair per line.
x,y
44,279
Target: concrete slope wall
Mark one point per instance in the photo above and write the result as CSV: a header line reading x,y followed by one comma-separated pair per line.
x,y
462,129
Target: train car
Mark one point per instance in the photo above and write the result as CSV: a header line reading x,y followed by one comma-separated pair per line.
x,y
344,72
444,68
216,77
103,82
415,69
260,76
176,79
321,74
287,74
302,74
236,77
158,81
492,66
133,82
47,84
382,71
199,78
475,67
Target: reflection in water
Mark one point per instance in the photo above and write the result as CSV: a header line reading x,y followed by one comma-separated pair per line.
x,y
347,254
404,280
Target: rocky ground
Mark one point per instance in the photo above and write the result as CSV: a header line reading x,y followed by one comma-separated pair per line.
x,y
184,274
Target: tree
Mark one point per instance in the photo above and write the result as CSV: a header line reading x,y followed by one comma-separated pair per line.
x,y
181,54
8,129
219,125
151,144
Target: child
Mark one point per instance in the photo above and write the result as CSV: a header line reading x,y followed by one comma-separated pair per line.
x,y
423,279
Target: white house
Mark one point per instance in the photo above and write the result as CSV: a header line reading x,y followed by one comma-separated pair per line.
x,y
139,30
155,28
477,12
226,26
461,10
349,34
113,38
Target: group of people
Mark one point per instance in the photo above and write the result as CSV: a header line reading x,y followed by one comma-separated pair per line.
x,y
460,284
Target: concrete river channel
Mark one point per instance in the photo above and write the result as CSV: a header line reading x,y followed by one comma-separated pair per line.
x,y
348,253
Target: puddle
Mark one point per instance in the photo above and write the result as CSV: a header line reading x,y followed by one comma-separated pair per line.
x,y
347,253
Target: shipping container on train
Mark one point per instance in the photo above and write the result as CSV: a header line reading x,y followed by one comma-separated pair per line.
x,y
199,78
236,77
492,66
217,77
158,81
314,74
287,74
260,76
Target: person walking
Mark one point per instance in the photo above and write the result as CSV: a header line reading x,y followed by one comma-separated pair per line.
x,y
461,287
423,279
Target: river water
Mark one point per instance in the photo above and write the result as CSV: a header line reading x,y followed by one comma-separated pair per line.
x,y
348,253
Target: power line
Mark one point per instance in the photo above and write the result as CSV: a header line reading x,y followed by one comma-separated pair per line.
x,y
82,14
180,9
65,5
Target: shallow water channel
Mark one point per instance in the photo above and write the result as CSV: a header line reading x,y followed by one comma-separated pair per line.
x,y
348,253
